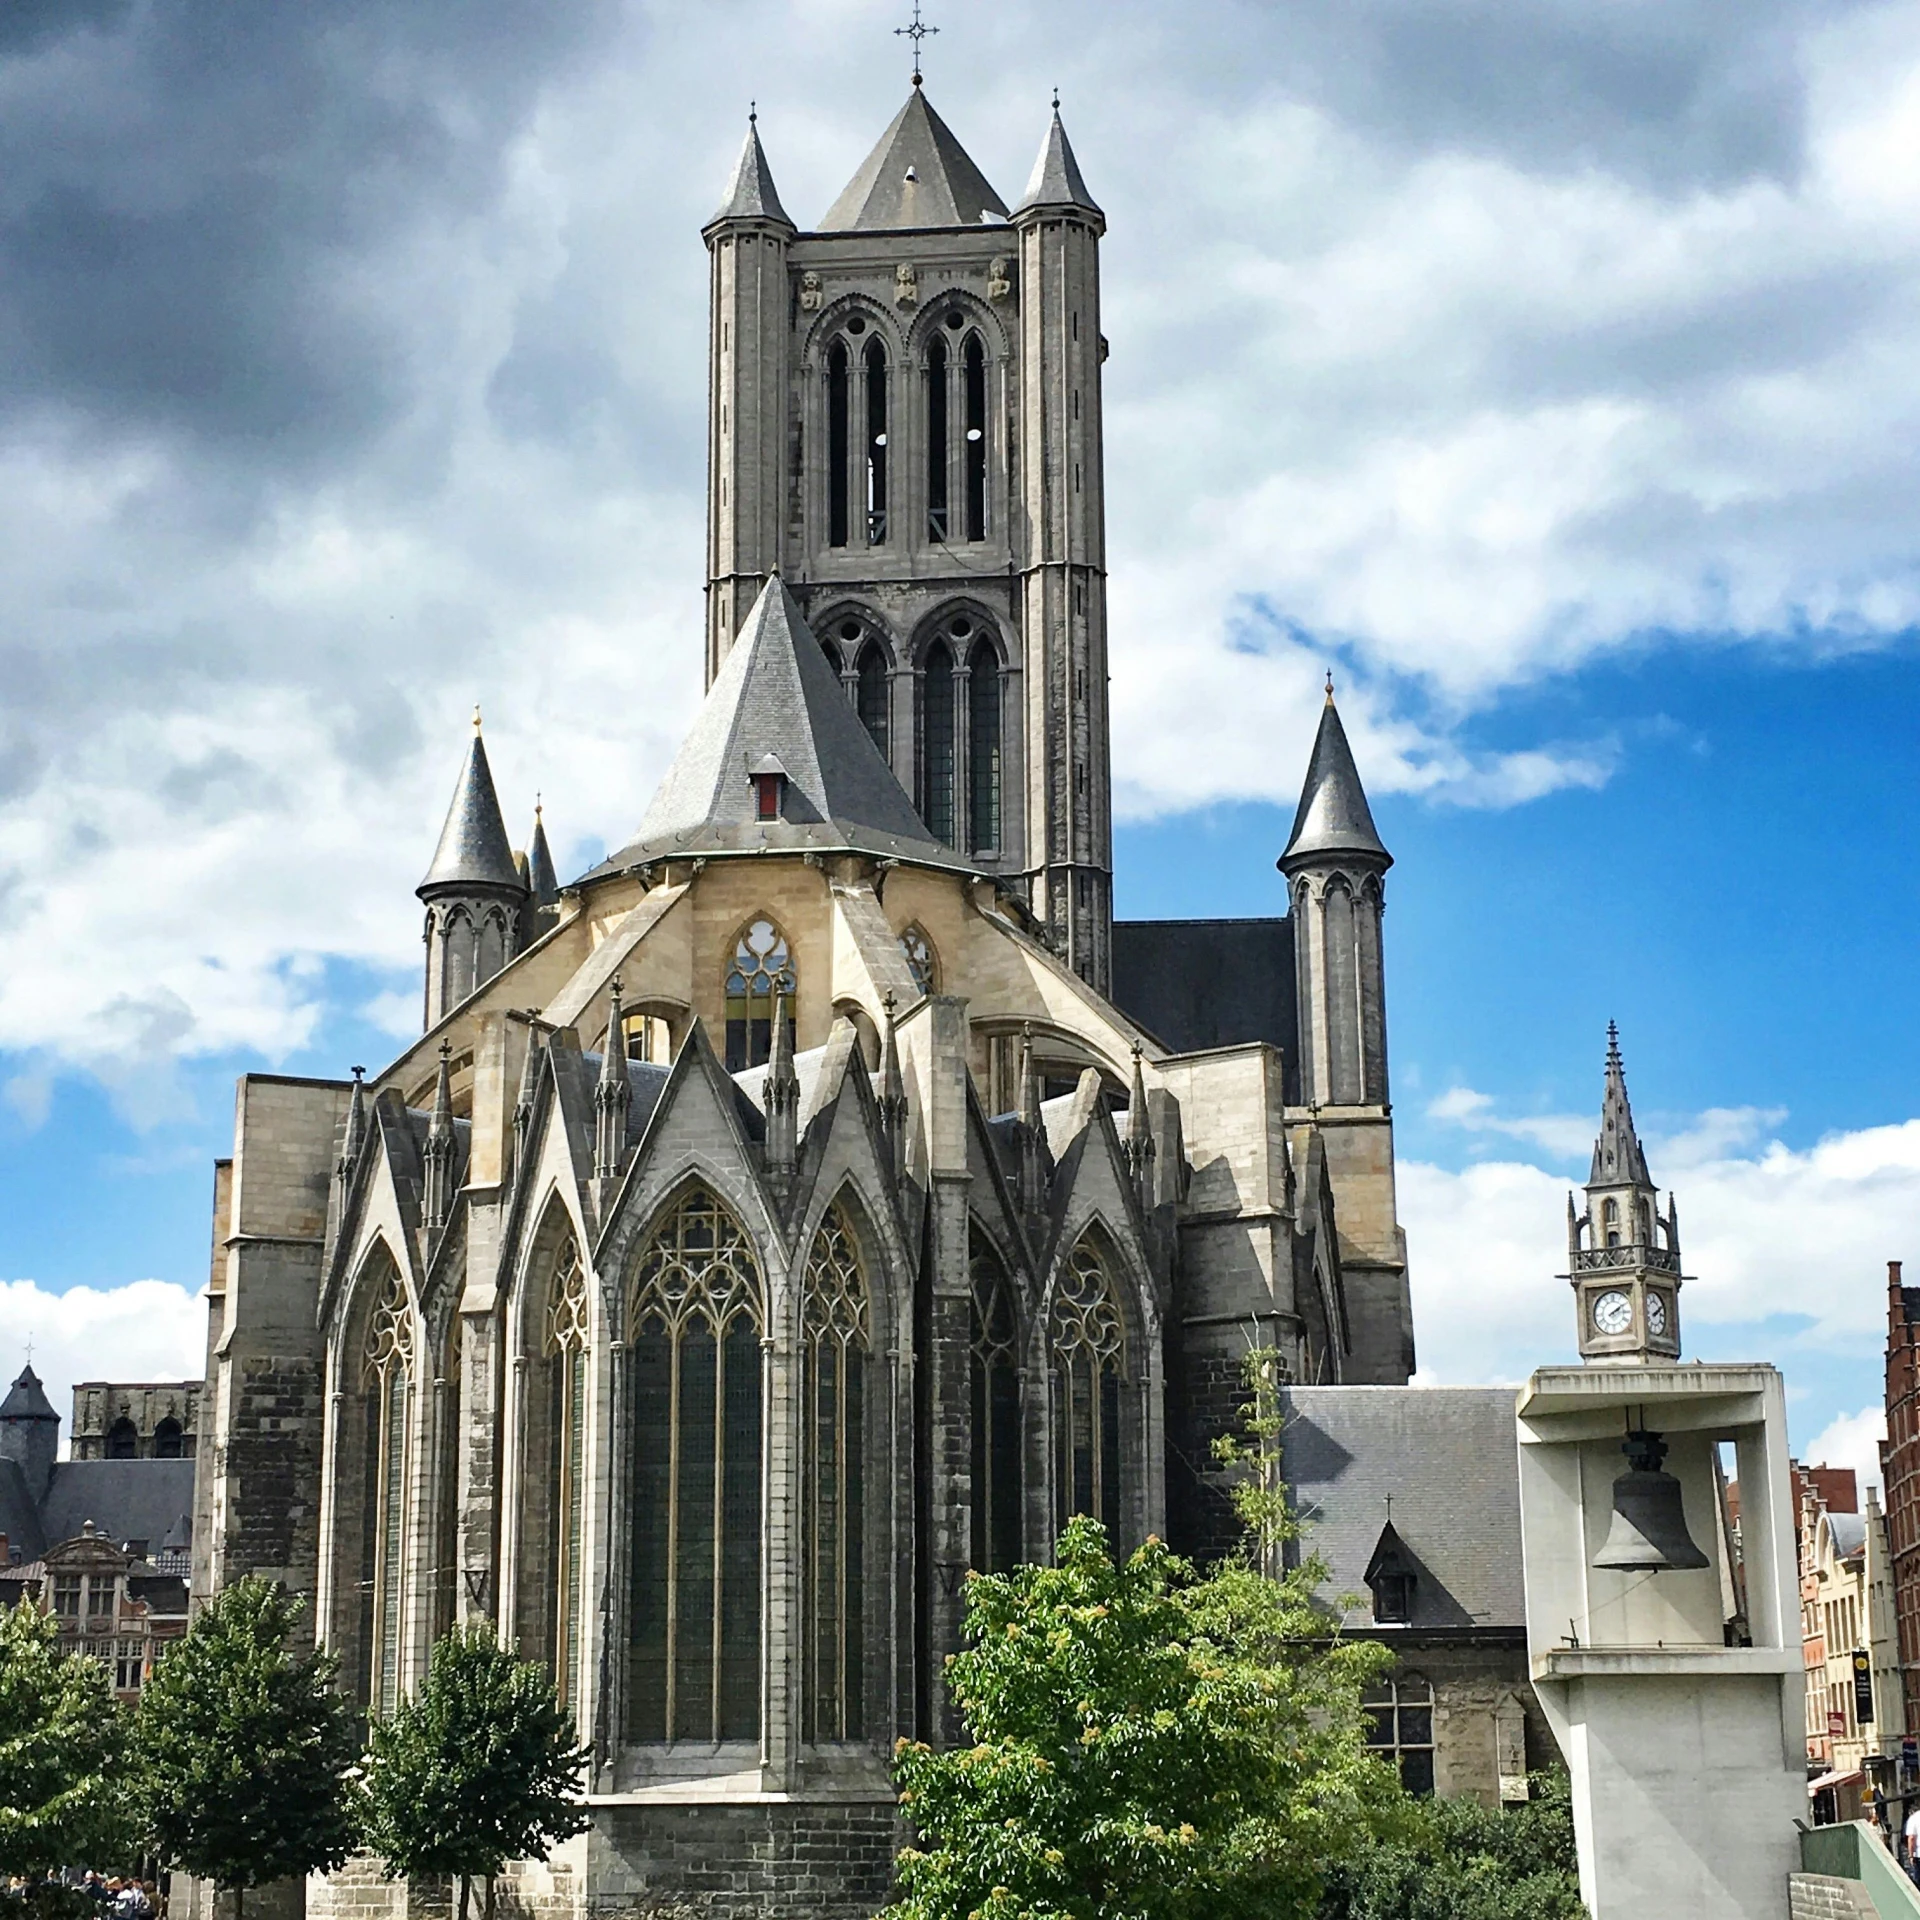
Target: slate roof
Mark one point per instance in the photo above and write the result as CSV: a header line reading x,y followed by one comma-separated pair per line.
x,y
918,175
1449,1460
1848,1532
27,1399
1195,984
776,694
146,1500
542,881
473,849
1056,180
751,194
20,1513
1334,816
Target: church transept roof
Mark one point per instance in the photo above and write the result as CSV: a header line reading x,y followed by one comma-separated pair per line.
x,y
918,175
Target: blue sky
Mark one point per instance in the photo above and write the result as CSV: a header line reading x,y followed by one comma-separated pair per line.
x,y
1548,374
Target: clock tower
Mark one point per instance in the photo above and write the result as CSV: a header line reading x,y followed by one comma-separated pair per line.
x,y
1624,1257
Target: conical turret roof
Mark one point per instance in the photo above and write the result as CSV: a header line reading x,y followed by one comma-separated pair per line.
x,y
473,849
918,175
27,1400
776,705
542,881
1334,817
1056,180
751,194
1618,1158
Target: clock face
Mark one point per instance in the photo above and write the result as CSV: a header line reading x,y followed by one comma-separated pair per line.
x,y
1612,1313
1656,1313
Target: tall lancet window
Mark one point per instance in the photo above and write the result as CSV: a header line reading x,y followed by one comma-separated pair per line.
x,y
567,1426
936,756
839,402
995,1369
833,1499
762,965
983,748
693,1661
1088,1343
874,361
870,693
974,359
938,452
388,1382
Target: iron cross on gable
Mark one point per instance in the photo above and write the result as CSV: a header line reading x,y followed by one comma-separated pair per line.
x,y
916,31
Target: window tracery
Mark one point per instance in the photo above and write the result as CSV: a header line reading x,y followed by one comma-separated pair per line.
x,y
995,1382
920,958
694,1617
567,1327
835,1344
858,406
387,1380
762,965
1088,1346
961,702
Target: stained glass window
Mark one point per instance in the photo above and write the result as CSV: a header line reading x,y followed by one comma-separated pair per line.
x,y
995,1370
1087,1338
834,1333
567,1351
694,1653
761,965
387,1377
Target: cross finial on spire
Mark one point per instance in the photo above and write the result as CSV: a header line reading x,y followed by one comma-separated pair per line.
x,y
476,716
1329,686
916,30
1056,99
753,113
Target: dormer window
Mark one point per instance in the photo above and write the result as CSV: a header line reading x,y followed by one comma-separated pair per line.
x,y
1393,1599
1392,1577
769,779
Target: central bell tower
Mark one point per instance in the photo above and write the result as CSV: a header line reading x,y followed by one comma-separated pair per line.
x,y
904,421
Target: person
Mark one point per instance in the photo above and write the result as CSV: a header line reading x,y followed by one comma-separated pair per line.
x,y
132,1903
1912,1861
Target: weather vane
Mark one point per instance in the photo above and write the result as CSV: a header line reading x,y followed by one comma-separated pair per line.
x,y
916,32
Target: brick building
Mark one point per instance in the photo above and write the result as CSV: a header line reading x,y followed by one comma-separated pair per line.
x,y
1900,1470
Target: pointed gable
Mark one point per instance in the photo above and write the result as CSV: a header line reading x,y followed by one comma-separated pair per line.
x,y
1334,816
1056,180
775,694
918,175
751,194
473,849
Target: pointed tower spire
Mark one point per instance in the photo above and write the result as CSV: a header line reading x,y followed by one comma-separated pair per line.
x,y
1138,1141
751,194
782,1095
1617,1154
543,883
30,1431
1333,816
893,1096
613,1096
437,1199
1056,180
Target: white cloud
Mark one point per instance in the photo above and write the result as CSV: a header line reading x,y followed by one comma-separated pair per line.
x,y
1851,1440
1564,1135
148,1330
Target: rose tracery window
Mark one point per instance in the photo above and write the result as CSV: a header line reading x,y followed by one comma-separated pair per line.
x,y
697,1315
1088,1349
387,1379
566,1346
762,965
835,1334
994,1366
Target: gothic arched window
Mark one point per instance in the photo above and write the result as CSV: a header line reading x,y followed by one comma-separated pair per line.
x,y
921,960
387,1380
693,1660
834,1332
566,1346
762,965
123,1440
938,451
936,760
1610,1222
995,1370
839,401
1087,1348
870,693
974,357
983,748
169,1441
874,364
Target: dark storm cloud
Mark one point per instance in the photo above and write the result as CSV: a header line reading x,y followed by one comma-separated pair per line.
x,y
191,196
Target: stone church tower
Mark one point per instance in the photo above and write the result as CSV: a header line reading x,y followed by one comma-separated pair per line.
x,y
904,423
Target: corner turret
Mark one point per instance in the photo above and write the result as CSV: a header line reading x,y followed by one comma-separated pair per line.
x,y
30,1431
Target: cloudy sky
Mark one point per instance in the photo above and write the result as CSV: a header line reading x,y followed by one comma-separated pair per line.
x,y
1546,369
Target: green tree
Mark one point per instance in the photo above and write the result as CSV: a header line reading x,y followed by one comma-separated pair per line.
x,y
244,1749
480,1767
62,1746
1458,1860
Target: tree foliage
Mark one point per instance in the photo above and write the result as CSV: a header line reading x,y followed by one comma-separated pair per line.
x,y
244,1748
480,1767
62,1746
1458,1860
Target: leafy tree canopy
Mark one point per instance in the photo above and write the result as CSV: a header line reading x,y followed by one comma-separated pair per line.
x,y
480,1767
244,1747
62,1745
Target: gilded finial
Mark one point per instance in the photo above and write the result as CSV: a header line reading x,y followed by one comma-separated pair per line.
x,y
1329,686
1056,99
536,805
476,716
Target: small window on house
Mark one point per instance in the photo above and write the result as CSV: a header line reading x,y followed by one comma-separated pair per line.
x,y
1400,1728
1610,1222
66,1596
1393,1599
766,790
129,1666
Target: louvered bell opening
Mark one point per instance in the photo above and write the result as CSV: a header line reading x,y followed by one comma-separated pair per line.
x,y
1649,1531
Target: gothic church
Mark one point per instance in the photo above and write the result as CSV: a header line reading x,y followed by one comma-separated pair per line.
x,y
822,1196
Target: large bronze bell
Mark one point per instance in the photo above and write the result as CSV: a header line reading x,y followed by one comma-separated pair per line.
x,y
1649,1532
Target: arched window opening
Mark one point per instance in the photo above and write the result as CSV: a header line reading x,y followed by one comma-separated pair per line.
x,y
693,1659
921,960
936,699
1088,1345
975,357
833,1497
567,1429
761,965
387,1380
169,1440
1610,1222
995,1368
1400,1728
875,360
870,697
837,436
983,749
649,1037
123,1440
937,450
